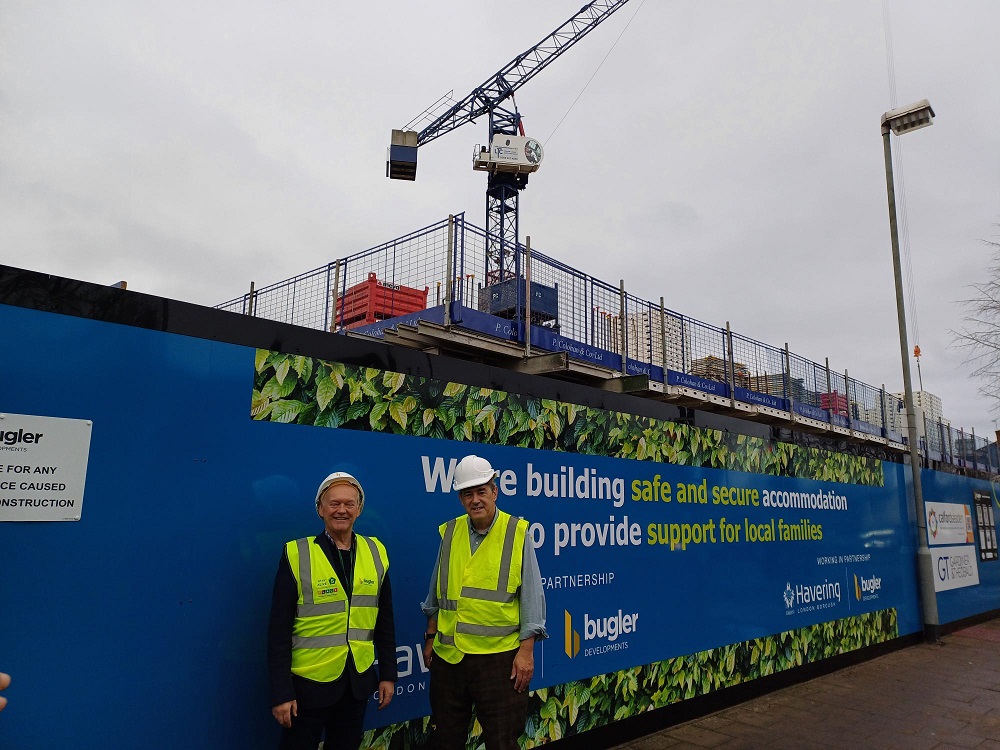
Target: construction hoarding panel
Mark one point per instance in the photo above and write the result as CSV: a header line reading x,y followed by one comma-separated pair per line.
x,y
204,460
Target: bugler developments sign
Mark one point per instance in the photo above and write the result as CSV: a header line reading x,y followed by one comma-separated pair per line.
x,y
43,467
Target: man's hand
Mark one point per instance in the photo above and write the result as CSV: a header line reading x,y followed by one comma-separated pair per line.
x,y
429,644
524,665
428,653
284,712
385,690
4,682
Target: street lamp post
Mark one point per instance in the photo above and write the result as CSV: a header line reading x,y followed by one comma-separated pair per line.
x,y
899,121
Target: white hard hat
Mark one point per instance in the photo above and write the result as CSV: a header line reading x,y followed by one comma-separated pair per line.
x,y
337,477
473,471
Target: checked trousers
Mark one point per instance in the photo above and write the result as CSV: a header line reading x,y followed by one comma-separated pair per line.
x,y
482,680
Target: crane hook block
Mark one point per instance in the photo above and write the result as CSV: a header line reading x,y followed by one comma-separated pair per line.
x,y
401,157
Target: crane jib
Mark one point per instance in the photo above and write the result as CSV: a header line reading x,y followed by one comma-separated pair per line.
x,y
520,70
509,157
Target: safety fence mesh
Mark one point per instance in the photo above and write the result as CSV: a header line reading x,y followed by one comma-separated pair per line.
x,y
411,273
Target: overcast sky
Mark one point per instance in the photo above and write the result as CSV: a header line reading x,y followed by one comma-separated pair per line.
x,y
726,155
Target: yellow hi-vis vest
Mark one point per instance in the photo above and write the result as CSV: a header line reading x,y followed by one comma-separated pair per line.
x,y
326,623
479,593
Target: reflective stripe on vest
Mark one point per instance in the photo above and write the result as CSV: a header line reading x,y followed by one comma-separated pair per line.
x,y
326,625
478,593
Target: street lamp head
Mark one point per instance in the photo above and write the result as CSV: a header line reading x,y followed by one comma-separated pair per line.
x,y
911,117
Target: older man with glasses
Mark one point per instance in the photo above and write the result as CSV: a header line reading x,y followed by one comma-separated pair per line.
x,y
331,617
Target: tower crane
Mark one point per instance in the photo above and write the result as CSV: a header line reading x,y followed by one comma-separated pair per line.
x,y
510,156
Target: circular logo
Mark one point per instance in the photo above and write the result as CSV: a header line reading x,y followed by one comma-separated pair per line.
x,y
533,151
932,523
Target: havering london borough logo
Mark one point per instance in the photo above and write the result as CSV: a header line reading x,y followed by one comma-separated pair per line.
x,y
789,595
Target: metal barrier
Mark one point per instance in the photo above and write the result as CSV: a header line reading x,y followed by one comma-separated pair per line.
x,y
446,262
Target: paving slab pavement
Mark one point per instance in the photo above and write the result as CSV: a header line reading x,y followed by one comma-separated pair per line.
x,y
925,697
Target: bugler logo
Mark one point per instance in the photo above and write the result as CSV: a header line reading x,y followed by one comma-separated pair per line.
x,y
13,438
572,637
866,588
605,628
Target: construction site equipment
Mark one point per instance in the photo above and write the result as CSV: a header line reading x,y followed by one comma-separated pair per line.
x,y
374,300
835,403
508,164
502,299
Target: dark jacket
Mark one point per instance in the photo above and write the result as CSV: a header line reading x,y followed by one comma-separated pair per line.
x,y
286,686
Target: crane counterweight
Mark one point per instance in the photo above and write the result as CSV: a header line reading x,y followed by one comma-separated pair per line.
x,y
401,157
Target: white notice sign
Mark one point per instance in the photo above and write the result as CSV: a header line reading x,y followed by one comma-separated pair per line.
x,y
43,467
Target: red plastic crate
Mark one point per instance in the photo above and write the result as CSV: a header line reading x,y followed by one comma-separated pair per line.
x,y
835,403
374,300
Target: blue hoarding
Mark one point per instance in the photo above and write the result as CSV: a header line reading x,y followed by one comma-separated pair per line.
x,y
159,594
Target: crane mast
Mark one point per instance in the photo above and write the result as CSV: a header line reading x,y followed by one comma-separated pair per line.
x,y
507,172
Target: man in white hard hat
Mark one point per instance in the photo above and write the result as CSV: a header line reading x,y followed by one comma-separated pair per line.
x,y
331,617
485,609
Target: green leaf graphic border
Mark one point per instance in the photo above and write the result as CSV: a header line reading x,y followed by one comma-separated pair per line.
x,y
574,707
302,390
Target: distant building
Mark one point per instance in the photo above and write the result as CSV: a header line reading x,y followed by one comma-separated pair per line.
x,y
647,332
931,405
932,427
773,384
887,411
716,368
